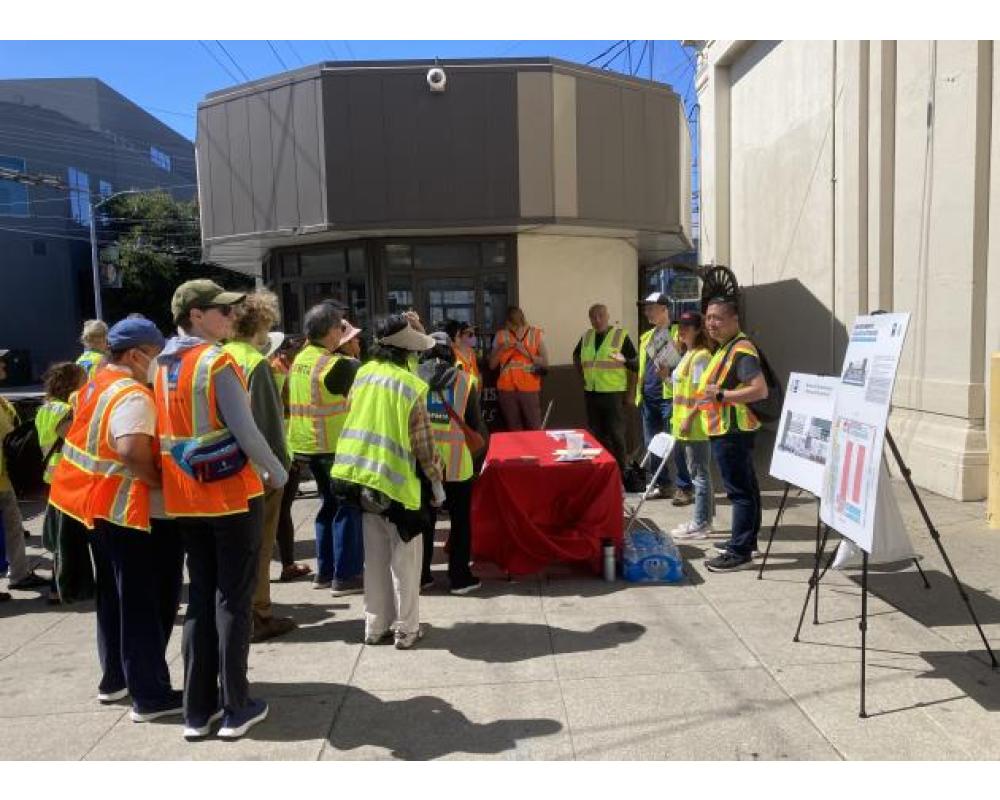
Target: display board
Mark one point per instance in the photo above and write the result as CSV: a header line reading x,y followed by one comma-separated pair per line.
x,y
861,411
803,441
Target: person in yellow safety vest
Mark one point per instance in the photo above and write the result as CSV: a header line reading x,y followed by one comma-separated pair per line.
x,y
252,321
452,396
386,436
281,363
687,424
95,345
109,479
606,360
318,383
733,379
52,421
659,353
19,573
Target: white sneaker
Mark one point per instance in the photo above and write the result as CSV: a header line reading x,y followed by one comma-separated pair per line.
x,y
681,529
406,641
112,697
695,532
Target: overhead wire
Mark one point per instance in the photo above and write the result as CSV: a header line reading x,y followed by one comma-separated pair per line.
x,y
603,53
295,52
218,61
277,55
229,55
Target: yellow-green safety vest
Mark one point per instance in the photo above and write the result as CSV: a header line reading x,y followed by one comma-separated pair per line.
x,y
448,434
247,356
47,420
686,393
601,373
668,391
90,360
718,416
374,448
315,415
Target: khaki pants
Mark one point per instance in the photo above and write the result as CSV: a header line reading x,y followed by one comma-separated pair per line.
x,y
392,578
13,528
262,591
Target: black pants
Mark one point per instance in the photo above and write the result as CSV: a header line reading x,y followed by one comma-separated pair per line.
x,y
458,502
222,557
286,528
138,591
606,420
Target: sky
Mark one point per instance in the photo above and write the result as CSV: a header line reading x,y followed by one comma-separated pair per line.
x,y
169,78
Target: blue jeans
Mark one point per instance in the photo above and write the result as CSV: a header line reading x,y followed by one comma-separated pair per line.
x,y
698,456
656,419
733,453
340,550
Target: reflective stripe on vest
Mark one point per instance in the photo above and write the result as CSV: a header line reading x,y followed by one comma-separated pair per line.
x,y
516,368
686,397
187,416
315,416
641,379
718,415
91,481
448,434
601,373
374,448
48,418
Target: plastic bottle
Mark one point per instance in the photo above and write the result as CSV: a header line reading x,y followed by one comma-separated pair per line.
x,y
609,559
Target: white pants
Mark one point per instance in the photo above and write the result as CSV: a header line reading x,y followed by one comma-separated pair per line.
x,y
392,578
13,528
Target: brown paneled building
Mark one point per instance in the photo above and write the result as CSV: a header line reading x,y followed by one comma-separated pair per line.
x,y
456,188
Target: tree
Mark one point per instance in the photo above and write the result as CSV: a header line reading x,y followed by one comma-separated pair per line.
x,y
154,242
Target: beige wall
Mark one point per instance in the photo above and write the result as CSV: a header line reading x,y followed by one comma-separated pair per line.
x,y
860,176
560,277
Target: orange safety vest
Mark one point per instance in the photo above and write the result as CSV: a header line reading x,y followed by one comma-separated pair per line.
x,y
186,412
91,482
718,416
515,367
469,364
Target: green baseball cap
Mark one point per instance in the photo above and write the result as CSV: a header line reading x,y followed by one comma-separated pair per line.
x,y
200,294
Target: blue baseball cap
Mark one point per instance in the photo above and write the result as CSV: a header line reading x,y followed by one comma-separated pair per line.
x,y
134,333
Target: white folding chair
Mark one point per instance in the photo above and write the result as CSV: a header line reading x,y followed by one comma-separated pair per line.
x,y
661,446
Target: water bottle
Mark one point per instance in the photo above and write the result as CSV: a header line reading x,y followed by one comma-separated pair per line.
x,y
609,559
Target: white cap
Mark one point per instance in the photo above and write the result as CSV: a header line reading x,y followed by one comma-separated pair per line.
x,y
409,338
656,298
274,341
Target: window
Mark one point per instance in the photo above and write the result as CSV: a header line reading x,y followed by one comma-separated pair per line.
x,y
13,195
159,158
79,196
105,189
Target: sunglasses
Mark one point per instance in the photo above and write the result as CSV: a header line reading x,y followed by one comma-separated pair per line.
x,y
224,310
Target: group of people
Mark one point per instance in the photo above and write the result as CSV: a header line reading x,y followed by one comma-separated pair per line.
x,y
161,450
696,379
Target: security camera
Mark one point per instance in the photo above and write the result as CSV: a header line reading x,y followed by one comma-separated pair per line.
x,y
436,79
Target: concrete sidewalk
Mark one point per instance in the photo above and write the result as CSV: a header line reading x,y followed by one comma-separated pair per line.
x,y
565,666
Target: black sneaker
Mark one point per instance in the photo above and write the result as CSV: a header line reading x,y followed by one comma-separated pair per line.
x,y
172,705
722,546
727,562
202,727
237,723
427,582
30,581
466,588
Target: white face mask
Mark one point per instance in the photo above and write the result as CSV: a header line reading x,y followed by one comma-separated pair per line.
x,y
151,371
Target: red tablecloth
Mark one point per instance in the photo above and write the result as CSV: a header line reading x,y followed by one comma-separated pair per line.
x,y
529,513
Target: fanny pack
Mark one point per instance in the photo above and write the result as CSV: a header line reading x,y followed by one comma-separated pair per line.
x,y
208,463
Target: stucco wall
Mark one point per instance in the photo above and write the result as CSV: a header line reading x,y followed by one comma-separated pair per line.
x,y
860,177
560,277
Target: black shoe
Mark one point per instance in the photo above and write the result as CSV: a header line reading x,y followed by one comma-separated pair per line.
x,y
236,723
30,581
466,588
727,562
722,546
427,582
170,706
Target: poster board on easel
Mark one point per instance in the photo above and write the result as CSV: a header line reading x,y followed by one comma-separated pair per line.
x,y
802,445
851,485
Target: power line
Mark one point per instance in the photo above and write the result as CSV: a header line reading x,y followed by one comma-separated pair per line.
x,y
73,144
295,52
274,50
332,51
642,55
229,55
350,50
601,55
217,61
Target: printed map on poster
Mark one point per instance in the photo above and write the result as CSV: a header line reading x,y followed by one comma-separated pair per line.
x,y
803,442
860,413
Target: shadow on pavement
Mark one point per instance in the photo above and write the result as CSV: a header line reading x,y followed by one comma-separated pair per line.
x,y
414,728
939,606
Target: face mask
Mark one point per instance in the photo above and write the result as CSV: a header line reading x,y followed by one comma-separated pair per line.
x,y
150,370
